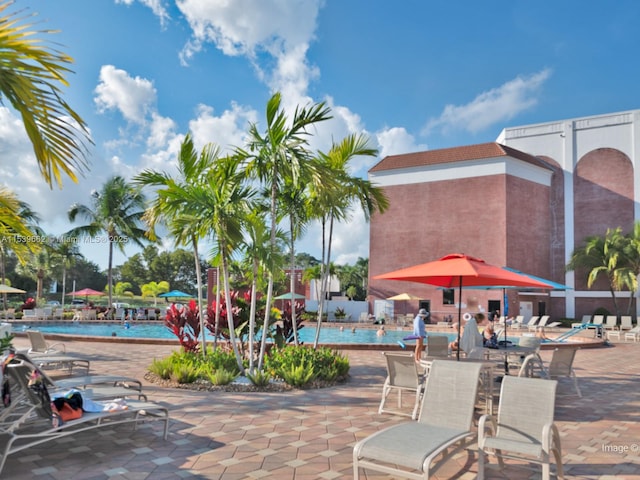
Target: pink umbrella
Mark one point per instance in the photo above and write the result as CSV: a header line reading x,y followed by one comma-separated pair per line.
x,y
87,292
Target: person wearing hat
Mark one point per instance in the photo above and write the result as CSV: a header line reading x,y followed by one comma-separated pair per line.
x,y
419,332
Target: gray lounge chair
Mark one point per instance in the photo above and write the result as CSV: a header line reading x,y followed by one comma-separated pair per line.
x,y
27,422
409,449
96,387
524,428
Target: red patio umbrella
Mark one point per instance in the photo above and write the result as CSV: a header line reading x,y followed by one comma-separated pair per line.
x,y
86,292
456,270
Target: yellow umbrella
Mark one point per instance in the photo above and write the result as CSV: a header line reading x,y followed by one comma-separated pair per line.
x,y
404,296
7,289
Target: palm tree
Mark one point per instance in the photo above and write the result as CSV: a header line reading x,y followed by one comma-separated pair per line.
x,y
184,219
64,252
32,75
116,211
16,219
279,155
604,257
330,201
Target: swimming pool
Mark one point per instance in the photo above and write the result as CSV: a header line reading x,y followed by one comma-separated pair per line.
x,y
328,335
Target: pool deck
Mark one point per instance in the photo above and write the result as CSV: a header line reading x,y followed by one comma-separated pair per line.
x,y
309,434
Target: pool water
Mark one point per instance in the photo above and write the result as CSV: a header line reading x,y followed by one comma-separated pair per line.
x,y
328,335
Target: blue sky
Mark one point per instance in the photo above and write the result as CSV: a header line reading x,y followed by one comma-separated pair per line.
x,y
413,75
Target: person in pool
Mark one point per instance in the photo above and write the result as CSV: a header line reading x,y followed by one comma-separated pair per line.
x,y
381,331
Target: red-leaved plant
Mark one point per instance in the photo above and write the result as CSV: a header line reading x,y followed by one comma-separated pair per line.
x,y
184,323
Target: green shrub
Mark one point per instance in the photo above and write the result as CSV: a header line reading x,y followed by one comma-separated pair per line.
x,y
259,378
222,376
297,375
328,364
185,373
220,359
163,367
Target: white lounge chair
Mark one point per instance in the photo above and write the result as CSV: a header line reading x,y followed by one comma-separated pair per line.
x,y
402,376
39,344
532,321
27,423
586,319
633,334
626,322
611,322
532,436
531,324
409,449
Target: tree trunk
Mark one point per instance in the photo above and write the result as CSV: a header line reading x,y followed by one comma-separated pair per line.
x,y
201,312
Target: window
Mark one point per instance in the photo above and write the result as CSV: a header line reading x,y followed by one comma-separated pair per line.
x,y
448,296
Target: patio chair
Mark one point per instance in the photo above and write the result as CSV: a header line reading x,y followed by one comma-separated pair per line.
x,y
402,376
531,436
517,322
409,449
633,334
10,314
39,344
28,422
561,366
58,313
29,314
437,346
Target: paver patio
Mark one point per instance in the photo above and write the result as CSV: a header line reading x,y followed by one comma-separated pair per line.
x,y
310,434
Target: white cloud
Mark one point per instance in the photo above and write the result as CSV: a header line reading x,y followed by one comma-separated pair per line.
x,y
133,97
226,130
489,108
397,140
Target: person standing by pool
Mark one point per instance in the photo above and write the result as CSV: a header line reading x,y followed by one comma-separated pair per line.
x,y
419,332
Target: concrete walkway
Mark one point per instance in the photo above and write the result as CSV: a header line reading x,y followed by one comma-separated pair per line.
x,y
310,434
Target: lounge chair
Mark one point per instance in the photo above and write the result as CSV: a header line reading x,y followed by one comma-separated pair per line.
x,y
542,321
29,314
10,314
530,436
586,319
39,344
533,321
633,334
611,322
94,386
517,322
402,376
408,449
28,422
61,361
626,322
437,346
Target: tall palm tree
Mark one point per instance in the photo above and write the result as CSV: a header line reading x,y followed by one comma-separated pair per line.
x,y
31,76
604,257
280,154
330,202
64,253
184,219
116,212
